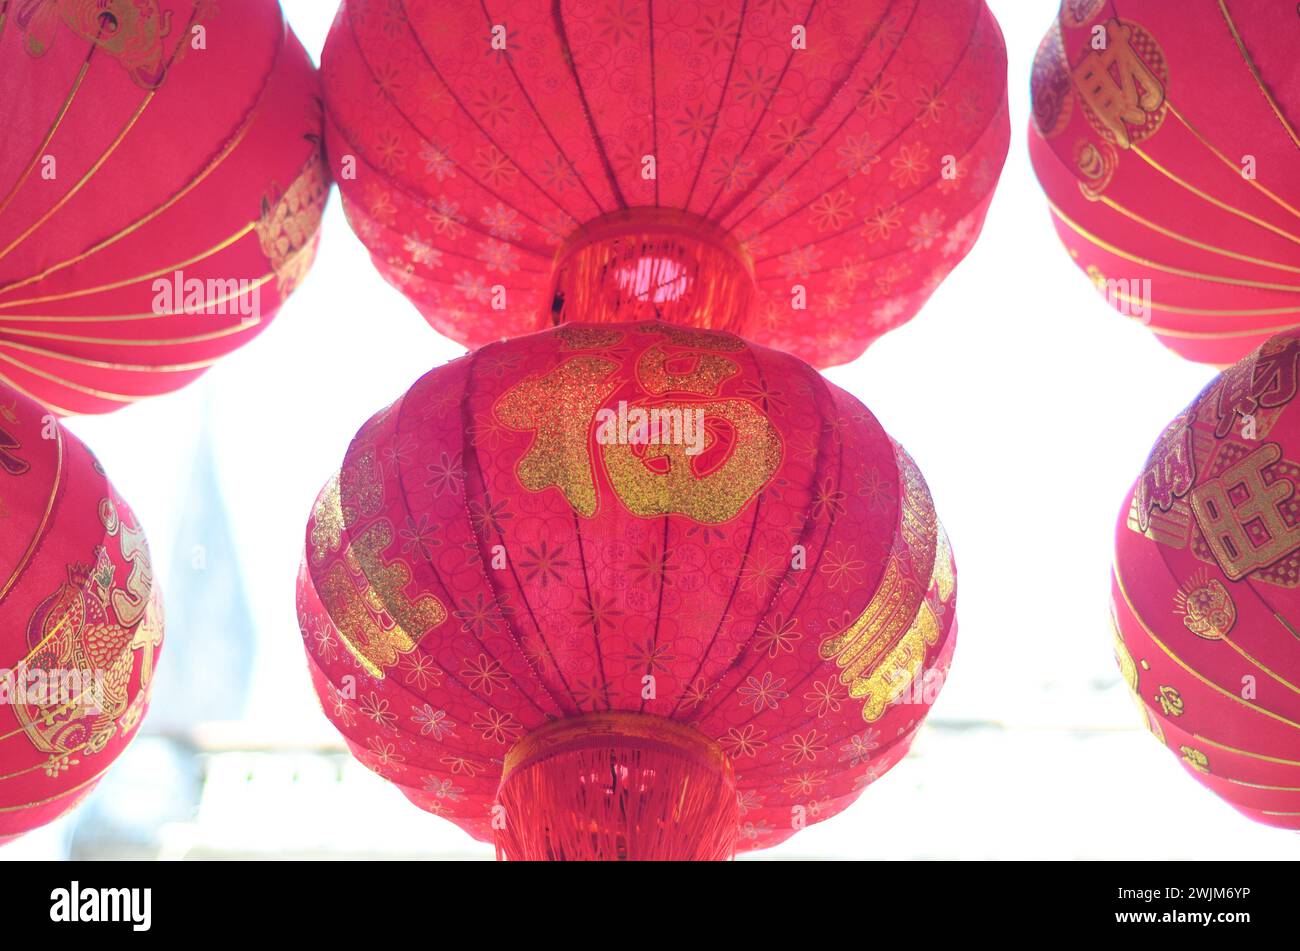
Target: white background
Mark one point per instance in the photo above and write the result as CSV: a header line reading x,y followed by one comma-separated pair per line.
x,y
1029,406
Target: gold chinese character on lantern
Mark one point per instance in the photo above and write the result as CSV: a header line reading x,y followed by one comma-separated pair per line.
x,y
1116,82
1241,517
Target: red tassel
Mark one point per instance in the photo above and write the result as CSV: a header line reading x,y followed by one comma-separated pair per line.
x,y
617,787
652,264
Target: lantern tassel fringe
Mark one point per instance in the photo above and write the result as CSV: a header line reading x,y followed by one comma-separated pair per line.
x,y
608,797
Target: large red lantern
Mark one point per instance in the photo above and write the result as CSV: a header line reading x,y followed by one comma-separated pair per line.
x,y
1165,137
805,177
80,619
161,187
1207,585
627,591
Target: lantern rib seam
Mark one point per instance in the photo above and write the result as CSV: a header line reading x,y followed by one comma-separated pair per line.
x,y
836,131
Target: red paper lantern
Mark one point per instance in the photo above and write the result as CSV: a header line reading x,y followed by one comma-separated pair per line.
x,y
161,187
627,591
1164,135
804,177
1207,585
81,619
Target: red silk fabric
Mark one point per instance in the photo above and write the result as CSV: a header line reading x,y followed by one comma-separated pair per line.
x,y
487,562
825,165
1170,162
76,595
1207,586
130,155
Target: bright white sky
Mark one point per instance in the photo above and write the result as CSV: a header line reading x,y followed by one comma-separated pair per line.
x,y
1029,406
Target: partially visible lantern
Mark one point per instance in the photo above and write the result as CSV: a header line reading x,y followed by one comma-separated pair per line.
x,y
1165,137
803,177
627,591
80,619
1207,585
161,188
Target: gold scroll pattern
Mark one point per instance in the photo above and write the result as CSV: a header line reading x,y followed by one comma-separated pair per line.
x,y
365,593
94,623
326,522
131,31
375,618
290,222
882,652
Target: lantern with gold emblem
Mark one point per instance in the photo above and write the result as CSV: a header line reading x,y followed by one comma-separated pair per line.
x,y
1207,585
627,591
80,619
161,189
1165,136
